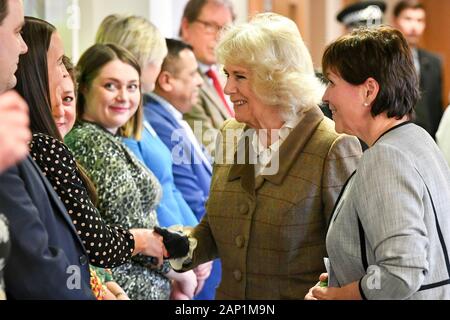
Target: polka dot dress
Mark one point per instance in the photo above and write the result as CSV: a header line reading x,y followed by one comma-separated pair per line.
x,y
107,246
128,195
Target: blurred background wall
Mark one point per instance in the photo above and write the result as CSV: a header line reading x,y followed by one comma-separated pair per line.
x,y
78,20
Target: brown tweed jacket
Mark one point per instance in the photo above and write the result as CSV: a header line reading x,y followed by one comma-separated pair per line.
x,y
270,232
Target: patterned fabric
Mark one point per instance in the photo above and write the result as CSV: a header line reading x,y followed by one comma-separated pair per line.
x,y
97,284
269,231
128,195
4,252
107,246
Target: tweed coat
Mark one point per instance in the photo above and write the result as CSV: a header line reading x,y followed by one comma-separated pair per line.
x,y
270,231
209,112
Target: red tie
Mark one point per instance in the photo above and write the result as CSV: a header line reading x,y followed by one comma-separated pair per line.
x,y
213,76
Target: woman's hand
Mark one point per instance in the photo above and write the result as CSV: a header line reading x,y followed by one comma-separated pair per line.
x,y
202,272
148,243
348,292
115,292
176,244
322,279
186,283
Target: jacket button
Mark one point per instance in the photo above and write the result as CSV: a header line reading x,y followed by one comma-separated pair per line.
x,y
83,260
237,275
243,208
240,240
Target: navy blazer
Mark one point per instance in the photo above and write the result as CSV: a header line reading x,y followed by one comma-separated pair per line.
x,y
429,108
192,176
48,259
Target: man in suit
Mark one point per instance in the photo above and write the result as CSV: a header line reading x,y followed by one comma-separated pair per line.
x,y
200,26
410,19
176,91
47,259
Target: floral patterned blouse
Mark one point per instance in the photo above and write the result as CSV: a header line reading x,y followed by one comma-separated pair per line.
x,y
4,252
128,195
107,246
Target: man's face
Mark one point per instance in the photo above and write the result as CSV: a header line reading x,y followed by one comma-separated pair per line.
x,y
202,34
11,44
411,22
185,82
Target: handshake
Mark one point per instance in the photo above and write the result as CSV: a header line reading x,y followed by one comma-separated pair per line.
x,y
176,244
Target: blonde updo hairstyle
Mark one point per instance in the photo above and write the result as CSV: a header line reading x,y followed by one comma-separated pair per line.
x,y
282,73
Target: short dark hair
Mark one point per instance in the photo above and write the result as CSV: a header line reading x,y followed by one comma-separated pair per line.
x,y
89,66
383,54
174,48
3,10
407,4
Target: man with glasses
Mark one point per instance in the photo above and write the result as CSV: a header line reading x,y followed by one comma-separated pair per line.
x,y
47,259
200,27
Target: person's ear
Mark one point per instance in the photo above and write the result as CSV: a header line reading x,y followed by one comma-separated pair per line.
x,y
184,28
164,81
372,88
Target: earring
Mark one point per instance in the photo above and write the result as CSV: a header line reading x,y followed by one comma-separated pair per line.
x,y
366,104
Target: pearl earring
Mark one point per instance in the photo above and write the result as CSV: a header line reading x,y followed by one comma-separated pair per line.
x,y
366,104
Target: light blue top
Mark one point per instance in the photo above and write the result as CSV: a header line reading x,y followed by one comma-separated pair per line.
x,y
172,209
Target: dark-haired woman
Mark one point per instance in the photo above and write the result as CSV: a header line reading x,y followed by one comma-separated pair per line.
x,y
389,232
109,109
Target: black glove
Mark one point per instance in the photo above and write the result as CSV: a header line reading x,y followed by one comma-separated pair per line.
x,y
177,245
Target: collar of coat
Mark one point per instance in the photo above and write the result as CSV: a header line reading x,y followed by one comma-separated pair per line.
x,y
288,153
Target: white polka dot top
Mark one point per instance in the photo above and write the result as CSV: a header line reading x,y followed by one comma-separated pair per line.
x,y
107,246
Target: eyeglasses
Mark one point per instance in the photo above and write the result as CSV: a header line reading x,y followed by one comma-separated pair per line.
x,y
211,27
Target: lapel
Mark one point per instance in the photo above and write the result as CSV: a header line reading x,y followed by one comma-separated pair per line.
x,y
161,111
288,154
53,197
154,106
211,94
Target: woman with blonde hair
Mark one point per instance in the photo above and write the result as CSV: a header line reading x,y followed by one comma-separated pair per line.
x,y
282,167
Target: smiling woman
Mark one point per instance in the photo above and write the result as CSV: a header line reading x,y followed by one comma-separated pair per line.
x,y
268,226
109,109
113,100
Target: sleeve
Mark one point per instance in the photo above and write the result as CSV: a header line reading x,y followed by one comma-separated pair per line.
x,y
198,115
340,163
202,246
96,154
390,207
185,179
35,269
98,237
